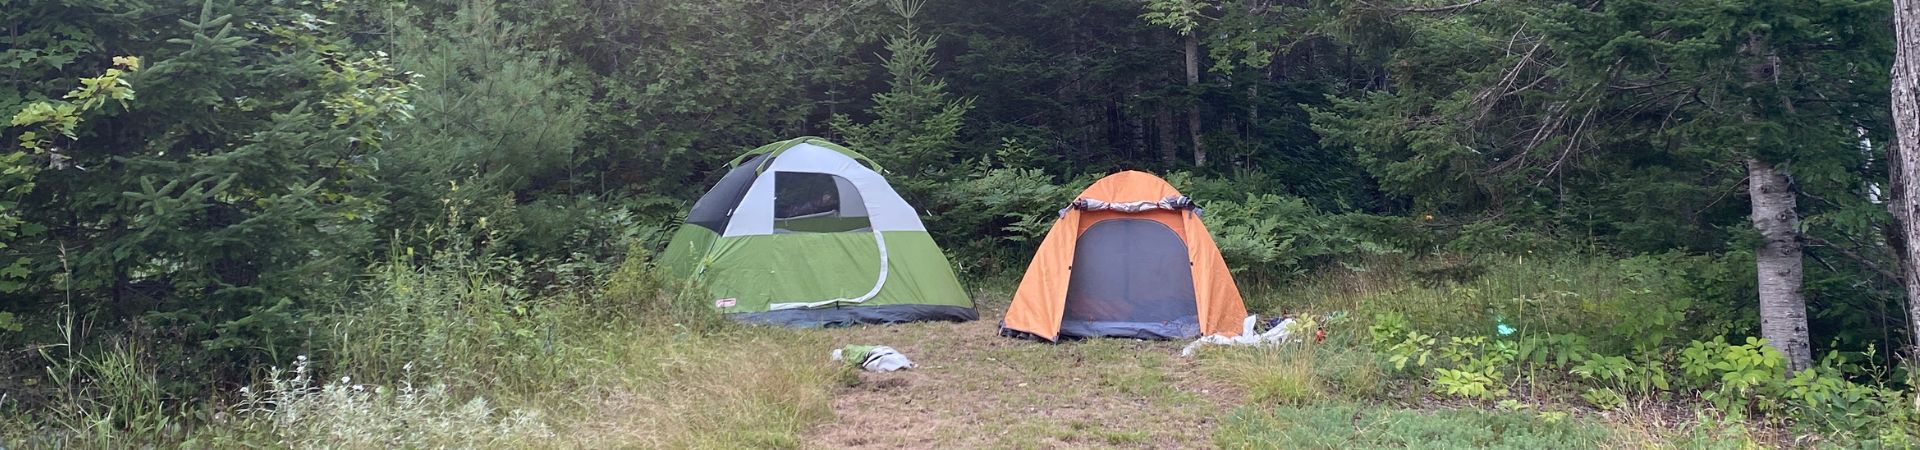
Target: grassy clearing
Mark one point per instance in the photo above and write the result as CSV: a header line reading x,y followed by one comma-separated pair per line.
x,y
634,365
1334,394
1459,295
1343,426
1603,307
745,388
975,389
1298,374
442,358
455,361
642,388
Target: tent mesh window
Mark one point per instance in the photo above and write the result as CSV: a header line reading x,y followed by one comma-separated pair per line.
x,y
1132,271
715,209
806,202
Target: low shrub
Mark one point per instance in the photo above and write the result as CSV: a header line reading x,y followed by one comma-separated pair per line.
x,y
1736,379
293,410
992,220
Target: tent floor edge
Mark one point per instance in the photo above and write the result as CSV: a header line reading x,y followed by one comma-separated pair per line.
x,y
1025,335
857,315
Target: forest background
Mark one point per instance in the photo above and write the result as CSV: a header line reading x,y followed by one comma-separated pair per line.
x,y
201,191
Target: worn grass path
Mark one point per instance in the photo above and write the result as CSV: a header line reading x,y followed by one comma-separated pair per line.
x,y
975,389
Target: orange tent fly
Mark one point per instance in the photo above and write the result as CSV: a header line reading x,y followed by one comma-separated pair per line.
x,y
1128,258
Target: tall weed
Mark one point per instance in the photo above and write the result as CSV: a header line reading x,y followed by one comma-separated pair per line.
x,y
1299,374
293,410
106,398
456,317
637,289
449,355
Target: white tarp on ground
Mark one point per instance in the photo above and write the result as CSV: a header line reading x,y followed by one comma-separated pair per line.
x,y
1278,334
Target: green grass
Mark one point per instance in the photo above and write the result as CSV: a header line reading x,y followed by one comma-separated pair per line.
x,y
1349,426
442,357
1340,394
1299,374
447,359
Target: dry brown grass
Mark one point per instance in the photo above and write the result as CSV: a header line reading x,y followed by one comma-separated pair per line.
x,y
662,385
975,389
757,388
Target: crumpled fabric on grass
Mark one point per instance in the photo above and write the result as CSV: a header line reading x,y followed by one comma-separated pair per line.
x,y
873,358
1273,336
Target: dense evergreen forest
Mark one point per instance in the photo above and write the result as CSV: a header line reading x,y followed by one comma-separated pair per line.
x,y
204,193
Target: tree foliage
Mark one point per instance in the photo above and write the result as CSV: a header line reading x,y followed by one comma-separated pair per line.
x,y
276,151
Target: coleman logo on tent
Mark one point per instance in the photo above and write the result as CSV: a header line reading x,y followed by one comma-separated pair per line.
x,y
724,303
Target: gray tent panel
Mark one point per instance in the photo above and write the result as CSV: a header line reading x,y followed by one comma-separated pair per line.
x,y
881,206
715,209
1130,278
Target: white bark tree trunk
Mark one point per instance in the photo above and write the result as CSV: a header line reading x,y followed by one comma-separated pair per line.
x,y
1193,113
1905,154
1783,308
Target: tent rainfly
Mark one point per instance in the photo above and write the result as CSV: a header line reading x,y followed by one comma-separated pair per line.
x,y
806,233
1128,258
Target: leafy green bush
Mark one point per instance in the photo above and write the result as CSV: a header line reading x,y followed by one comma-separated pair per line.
x,y
991,222
1733,378
1613,334
1622,305
1247,231
1268,235
1603,398
229,202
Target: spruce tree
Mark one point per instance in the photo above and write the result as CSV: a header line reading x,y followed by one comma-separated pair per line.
x,y
217,206
494,124
915,122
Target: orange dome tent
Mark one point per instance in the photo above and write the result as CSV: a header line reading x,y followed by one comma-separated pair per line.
x,y
1129,258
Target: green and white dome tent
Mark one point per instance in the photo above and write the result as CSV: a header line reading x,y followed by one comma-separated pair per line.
x,y
807,233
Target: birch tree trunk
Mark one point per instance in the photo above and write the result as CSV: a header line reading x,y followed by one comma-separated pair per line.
x,y
1193,112
1905,156
1783,308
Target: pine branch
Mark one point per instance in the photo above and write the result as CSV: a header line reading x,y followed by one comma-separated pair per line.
x,y
1441,9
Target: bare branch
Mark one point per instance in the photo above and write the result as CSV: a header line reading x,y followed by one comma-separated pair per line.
x,y
1414,9
1440,9
1864,262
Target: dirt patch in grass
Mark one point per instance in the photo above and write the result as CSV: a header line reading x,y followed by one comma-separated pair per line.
x,y
974,388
